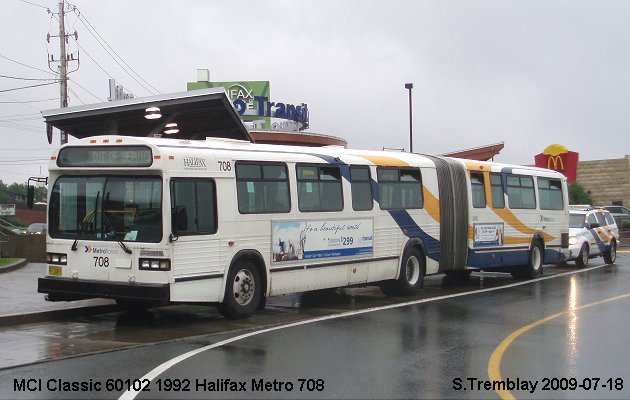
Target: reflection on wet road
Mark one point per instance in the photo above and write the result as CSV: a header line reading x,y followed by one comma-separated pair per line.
x,y
430,349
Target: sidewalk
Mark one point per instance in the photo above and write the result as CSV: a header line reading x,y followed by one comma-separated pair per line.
x,y
20,302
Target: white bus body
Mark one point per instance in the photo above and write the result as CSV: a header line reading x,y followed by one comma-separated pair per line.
x,y
154,221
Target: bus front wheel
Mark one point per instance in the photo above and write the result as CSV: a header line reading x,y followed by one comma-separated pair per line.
x,y
243,291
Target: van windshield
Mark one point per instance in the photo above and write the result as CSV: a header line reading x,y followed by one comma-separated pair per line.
x,y
576,220
117,208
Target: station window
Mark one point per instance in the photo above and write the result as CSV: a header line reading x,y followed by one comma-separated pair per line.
x,y
262,188
550,194
478,190
194,210
361,186
400,188
496,189
520,190
319,188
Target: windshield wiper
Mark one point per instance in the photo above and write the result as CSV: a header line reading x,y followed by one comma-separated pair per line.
x,y
111,227
85,220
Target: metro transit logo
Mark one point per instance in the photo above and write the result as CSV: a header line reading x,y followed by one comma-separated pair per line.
x,y
96,250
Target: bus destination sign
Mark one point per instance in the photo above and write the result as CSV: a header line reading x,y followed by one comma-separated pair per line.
x,y
105,156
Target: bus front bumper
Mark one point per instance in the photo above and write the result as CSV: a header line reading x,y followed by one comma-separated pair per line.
x,y
68,289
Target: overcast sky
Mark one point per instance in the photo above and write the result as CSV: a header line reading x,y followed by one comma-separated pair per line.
x,y
527,73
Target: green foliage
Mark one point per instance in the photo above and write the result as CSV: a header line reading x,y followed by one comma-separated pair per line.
x,y
578,195
8,198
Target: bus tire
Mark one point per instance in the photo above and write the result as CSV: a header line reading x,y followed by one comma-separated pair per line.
x,y
611,255
581,260
243,291
411,279
534,267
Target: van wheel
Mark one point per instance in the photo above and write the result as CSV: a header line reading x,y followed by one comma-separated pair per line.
x,y
611,255
582,259
411,279
243,291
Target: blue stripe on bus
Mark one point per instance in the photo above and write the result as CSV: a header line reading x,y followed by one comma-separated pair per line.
x,y
497,258
356,251
411,229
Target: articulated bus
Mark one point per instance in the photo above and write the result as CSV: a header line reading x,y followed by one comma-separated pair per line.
x,y
154,221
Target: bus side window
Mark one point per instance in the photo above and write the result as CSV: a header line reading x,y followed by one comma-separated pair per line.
x,y
521,192
198,198
400,188
550,194
478,190
496,189
361,187
262,188
319,188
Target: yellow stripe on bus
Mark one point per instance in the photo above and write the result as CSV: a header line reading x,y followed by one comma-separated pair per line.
x,y
431,204
383,161
509,218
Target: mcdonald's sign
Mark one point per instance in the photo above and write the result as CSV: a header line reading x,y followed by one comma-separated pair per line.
x,y
559,158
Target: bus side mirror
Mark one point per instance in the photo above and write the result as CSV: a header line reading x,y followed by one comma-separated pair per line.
x,y
179,220
30,196
30,191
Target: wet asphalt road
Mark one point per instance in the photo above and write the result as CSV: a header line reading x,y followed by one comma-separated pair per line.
x,y
430,349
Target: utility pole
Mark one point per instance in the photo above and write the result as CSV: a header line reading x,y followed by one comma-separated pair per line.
x,y
64,58
63,67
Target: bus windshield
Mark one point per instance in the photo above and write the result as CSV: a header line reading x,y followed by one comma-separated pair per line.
x,y
116,208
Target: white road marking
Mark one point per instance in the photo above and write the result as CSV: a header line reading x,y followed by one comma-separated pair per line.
x,y
154,373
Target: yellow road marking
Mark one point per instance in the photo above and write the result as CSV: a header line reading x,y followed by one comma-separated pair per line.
x,y
494,364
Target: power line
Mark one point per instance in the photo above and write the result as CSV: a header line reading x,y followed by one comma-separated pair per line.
x,y
27,101
27,87
33,4
100,39
97,64
76,95
28,79
26,65
77,83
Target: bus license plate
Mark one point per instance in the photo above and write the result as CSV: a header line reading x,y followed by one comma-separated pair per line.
x,y
54,270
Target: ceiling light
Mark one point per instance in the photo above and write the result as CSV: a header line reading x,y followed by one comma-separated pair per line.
x,y
152,113
171,128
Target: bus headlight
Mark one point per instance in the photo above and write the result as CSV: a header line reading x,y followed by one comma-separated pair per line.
x,y
573,240
57,258
155,264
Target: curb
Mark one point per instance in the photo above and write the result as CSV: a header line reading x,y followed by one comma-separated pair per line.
x,y
43,316
16,265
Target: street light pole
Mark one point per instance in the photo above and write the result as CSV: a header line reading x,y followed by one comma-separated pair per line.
x,y
409,86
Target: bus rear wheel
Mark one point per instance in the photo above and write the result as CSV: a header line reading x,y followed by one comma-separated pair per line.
x,y
534,267
243,291
411,279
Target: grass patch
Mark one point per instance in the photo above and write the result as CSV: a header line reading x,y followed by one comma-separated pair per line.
x,y
6,261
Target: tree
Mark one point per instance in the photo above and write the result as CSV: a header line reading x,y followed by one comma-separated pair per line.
x,y
579,195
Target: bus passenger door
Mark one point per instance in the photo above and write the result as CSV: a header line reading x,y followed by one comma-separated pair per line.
x,y
197,267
